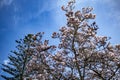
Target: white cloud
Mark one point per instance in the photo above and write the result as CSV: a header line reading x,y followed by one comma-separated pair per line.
x,y
25,17
6,62
5,2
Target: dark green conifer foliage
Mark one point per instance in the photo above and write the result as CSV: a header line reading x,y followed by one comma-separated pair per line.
x,y
18,59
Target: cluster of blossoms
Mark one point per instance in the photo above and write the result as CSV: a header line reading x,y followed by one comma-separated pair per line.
x,y
39,54
89,54
80,55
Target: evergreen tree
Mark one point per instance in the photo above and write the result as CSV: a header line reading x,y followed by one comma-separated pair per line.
x,y
29,60
18,59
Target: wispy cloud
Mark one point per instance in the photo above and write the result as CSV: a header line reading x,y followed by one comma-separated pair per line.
x,y
23,15
6,62
5,3
114,12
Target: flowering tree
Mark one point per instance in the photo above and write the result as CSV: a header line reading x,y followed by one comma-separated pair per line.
x,y
84,55
40,65
80,55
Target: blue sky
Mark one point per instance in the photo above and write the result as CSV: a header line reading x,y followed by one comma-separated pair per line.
x,y
20,17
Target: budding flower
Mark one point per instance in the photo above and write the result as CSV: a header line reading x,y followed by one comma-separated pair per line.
x,y
53,47
118,46
69,14
63,29
84,24
74,60
63,63
116,60
90,15
34,58
110,48
54,35
78,14
63,8
39,75
93,16
86,16
58,54
93,34
50,56
111,54
46,42
60,46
